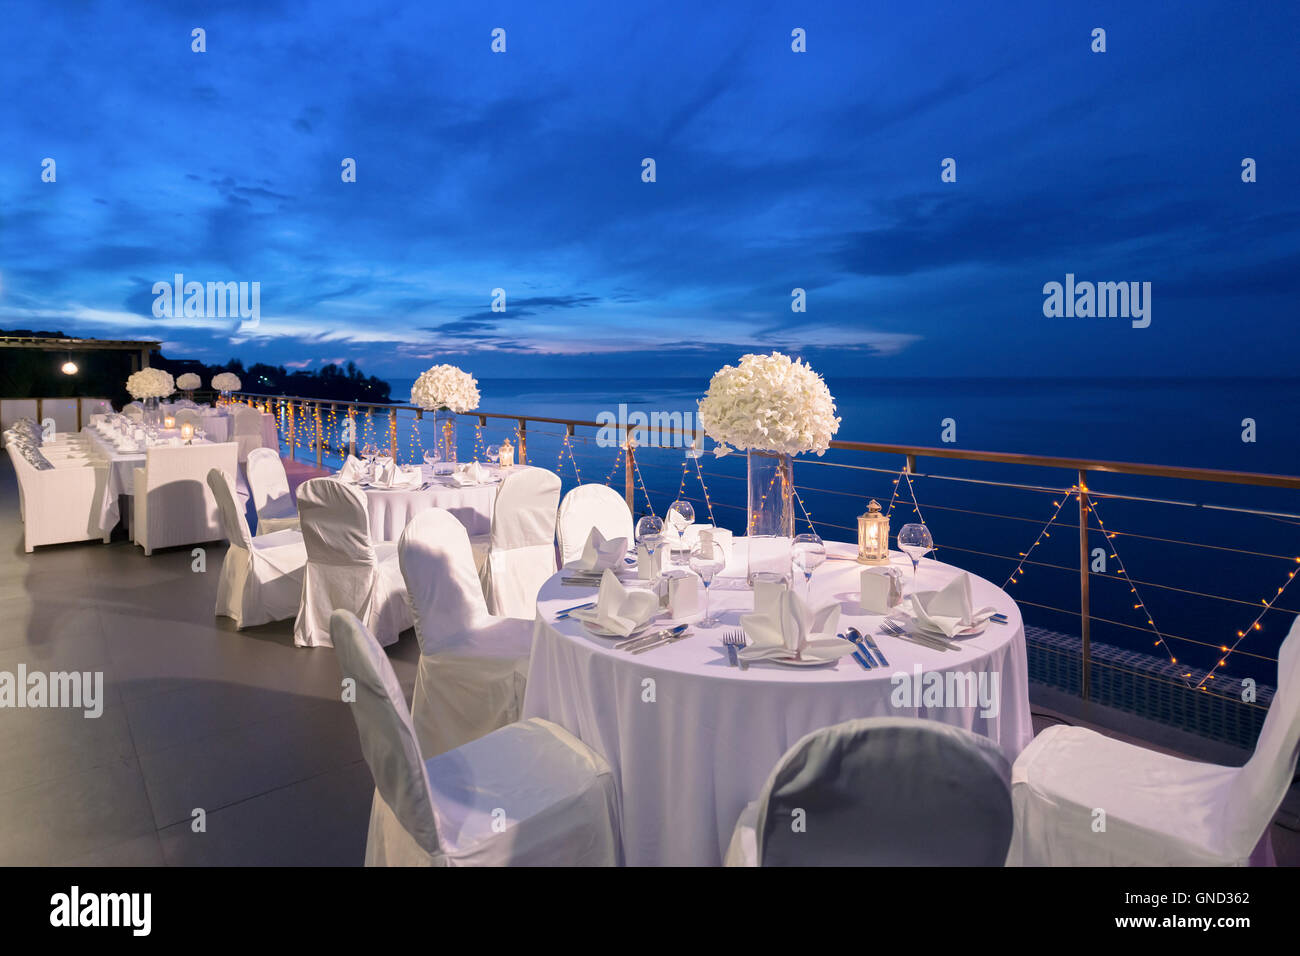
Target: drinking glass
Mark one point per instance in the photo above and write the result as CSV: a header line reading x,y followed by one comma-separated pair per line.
x,y
808,552
492,453
650,532
914,540
430,457
707,560
681,515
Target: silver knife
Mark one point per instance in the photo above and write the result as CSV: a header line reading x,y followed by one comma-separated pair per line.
x,y
872,644
646,638
642,648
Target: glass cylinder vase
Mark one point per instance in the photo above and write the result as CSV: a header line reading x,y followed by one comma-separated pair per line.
x,y
153,413
771,494
444,428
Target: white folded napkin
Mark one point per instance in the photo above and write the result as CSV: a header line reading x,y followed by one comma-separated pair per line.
x,y
782,626
882,589
619,610
949,610
471,473
353,469
389,474
600,553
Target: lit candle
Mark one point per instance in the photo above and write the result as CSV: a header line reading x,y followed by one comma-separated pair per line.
x,y
507,455
187,432
169,422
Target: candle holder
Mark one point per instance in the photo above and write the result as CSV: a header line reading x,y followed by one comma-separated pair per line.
x,y
873,536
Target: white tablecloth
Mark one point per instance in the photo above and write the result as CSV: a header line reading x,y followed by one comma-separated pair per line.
x,y
121,475
688,762
390,510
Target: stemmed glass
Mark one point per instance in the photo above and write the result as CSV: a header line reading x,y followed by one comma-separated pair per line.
x,y
681,515
200,432
369,451
707,560
493,454
650,532
914,540
808,552
430,457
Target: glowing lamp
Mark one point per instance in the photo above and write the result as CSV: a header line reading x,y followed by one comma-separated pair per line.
x,y
507,454
69,367
873,536
187,433
169,421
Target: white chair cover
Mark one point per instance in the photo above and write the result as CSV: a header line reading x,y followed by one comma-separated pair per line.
x,y
884,791
1159,810
587,507
59,505
186,416
261,578
173,504
270,487
344,570
557,794
247,428
134,411
473,666
521,545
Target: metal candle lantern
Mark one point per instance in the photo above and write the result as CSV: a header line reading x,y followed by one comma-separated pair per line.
x,y
507,454
873,536
187,433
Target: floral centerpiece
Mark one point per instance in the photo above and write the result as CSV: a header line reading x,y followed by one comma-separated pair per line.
x,y
226,382
187,383
447,391
772,407
150,385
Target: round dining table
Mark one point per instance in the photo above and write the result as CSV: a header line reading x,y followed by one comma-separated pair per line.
x,y
691,739
391,509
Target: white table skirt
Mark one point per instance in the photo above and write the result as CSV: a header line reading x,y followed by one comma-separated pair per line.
x,y
687,763
390,511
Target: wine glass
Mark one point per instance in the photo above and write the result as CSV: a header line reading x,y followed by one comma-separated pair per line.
x,y
706,560
493,454
650,532
808,552
430,457
914,540
200,432
681,515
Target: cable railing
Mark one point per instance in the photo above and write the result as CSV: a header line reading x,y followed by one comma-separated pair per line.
x,y
990,505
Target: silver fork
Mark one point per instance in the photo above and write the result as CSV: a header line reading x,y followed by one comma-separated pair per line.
x,y
734,640
894,629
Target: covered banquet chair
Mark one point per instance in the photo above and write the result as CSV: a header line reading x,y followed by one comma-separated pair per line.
x,y
587,507
527,794
261,578
473,665
882,791
1158,810
344,568
269,485
517,556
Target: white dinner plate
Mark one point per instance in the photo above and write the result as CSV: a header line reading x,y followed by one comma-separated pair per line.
x,y
601,632
973,631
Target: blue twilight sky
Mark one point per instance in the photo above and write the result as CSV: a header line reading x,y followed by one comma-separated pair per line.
x,y
775,170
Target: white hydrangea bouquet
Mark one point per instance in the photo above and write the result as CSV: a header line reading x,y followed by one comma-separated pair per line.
x,y
769,403
227,382
188,382
150,383
446,387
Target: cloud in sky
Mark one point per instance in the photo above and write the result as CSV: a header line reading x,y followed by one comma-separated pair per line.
x,y
776,171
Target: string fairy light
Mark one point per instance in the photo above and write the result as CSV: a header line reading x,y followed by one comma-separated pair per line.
x,y
705,488
1090,508
1252,627
1015,575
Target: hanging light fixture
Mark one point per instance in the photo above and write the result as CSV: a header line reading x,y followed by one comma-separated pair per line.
x,y
69,367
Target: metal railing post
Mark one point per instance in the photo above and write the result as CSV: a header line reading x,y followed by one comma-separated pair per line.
x,y
352,431
319,449
523,441
392,432
629,483
1085,618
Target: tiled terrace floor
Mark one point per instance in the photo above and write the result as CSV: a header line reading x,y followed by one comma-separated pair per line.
x,y
244,725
